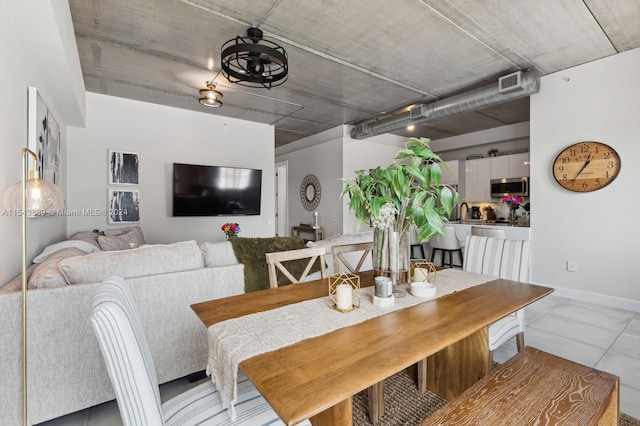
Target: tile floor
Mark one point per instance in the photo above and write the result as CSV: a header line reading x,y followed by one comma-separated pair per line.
x,y
595,335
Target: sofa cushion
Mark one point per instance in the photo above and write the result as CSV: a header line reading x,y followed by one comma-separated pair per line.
x,y
251,253
139,262
218,254
352,258
47,274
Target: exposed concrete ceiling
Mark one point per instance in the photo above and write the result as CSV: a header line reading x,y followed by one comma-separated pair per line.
x,y
349,61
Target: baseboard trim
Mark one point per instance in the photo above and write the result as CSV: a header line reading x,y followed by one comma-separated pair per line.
x,y
602,299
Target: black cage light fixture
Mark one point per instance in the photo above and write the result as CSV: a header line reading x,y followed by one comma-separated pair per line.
x,y
253,61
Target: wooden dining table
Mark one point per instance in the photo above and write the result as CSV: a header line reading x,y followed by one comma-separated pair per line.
x,y
316,378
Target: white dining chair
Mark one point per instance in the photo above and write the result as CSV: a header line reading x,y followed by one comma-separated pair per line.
x,y
488,232
130,366
447,244
500,258
348,255
275,263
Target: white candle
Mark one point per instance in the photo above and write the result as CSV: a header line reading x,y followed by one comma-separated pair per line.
x,y
315,214
344,297
420,274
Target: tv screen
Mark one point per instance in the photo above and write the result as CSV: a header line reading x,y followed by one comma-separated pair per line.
x,y
215,191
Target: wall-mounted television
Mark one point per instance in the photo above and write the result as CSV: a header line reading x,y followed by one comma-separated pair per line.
x,y
215,190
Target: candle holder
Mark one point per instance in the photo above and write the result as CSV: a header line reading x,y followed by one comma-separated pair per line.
x,y
344,292
421,270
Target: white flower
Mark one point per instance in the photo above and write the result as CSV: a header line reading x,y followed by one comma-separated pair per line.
x,y
386,218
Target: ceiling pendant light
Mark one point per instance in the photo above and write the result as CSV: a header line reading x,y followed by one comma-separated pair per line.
x,y
254,62
210,97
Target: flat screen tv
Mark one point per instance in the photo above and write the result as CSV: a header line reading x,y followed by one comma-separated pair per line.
x,y
215,191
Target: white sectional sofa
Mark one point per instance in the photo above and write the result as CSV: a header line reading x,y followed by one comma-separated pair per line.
x,y
66,372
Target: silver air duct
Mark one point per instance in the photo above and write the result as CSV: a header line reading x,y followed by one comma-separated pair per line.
x,y
509,87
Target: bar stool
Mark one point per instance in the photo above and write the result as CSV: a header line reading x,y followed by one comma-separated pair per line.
x,y
417,246
446,244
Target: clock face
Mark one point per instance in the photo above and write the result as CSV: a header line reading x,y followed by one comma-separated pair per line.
x,y
586,166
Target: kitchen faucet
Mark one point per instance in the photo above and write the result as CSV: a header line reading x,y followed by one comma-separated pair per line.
x,y
460,211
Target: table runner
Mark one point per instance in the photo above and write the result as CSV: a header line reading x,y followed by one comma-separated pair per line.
x,y
232,341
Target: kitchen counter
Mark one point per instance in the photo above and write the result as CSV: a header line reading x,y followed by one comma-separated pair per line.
x,y
511,232
482,222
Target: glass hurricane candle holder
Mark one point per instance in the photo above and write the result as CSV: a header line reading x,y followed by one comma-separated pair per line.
x,y
421,270
344,292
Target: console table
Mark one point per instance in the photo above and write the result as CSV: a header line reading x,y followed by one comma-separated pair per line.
x,y
318,232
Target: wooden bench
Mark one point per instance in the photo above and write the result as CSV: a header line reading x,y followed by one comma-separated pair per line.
x,y
535,387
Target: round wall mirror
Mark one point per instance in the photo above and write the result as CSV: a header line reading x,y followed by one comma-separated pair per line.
x,y
310,192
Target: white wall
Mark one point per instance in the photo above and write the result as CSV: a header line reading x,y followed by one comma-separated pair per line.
x,y
163,136
364,155
323,159
44,56
331,155
598,101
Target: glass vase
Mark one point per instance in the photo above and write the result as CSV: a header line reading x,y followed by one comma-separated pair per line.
x,y
391,256
513,217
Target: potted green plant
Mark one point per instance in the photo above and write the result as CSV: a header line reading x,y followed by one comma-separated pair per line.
x,y
407,193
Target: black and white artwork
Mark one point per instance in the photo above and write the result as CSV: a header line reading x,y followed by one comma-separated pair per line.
x,y
44,137
124,206
124,167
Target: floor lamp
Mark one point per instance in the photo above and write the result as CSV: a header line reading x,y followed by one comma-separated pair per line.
x,y
31,196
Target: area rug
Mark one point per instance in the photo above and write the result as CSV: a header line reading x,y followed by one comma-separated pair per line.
x,y
404,405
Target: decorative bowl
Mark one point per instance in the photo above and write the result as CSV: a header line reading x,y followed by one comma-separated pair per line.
x,y
423,289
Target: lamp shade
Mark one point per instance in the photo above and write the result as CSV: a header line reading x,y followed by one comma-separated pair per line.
x,y
42,197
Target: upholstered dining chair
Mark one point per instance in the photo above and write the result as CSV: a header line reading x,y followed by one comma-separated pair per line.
x,y
338,252
488,232
274,263
500,258
130,366
448,244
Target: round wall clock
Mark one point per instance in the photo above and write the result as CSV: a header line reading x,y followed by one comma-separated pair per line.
x,y
310,192
586,166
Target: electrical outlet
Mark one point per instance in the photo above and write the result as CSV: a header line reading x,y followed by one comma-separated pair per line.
x,y
572,266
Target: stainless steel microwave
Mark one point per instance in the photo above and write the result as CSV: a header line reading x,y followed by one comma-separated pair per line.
x,y
513,186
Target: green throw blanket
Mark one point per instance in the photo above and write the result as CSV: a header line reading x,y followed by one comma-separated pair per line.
x,y
250,252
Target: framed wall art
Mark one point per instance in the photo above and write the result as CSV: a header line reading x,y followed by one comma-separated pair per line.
x,y
124,167
124,206
43,137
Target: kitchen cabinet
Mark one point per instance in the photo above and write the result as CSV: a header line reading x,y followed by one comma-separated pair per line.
x,y
518,165
510,166
451,176
477,177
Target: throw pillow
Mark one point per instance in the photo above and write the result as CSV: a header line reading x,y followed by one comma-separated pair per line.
x,y
88,236
134,230
120,242
250,252
47,274
83,245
